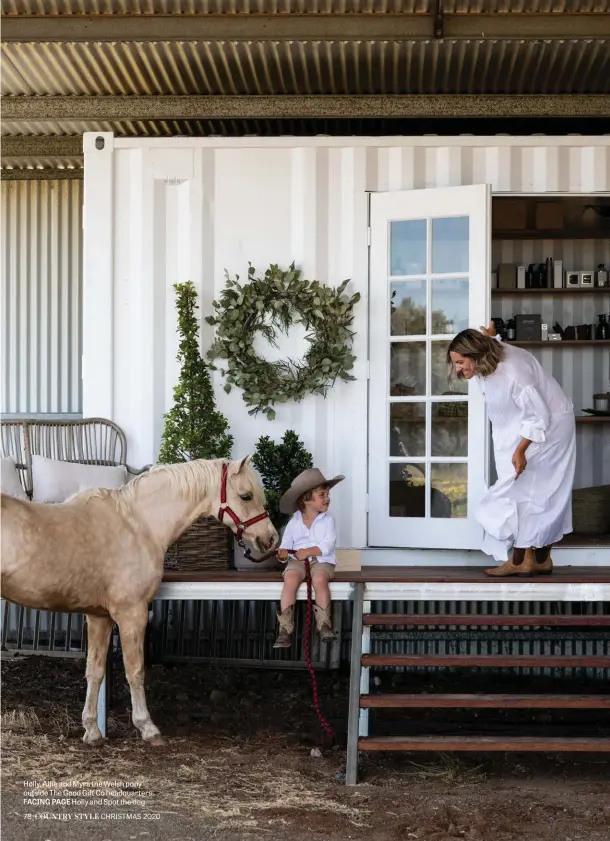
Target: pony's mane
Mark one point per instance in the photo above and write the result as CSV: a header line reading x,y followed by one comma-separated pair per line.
x,y
190,480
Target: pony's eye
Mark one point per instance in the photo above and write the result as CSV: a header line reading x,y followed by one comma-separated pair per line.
x,y
246,497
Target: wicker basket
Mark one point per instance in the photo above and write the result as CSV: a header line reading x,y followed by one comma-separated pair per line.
x,y
204,547
591,510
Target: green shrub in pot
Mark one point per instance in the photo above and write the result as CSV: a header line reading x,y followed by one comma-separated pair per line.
x,y
278,465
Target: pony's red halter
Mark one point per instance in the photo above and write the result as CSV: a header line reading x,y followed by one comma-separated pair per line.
x,y
226,509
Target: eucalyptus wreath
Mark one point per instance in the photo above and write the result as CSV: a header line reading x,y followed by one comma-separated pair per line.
x,y
272,303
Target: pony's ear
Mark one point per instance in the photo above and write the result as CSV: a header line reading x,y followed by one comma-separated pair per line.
x,y
243,463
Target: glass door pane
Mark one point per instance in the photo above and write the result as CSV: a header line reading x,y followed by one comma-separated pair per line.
x,y
421,310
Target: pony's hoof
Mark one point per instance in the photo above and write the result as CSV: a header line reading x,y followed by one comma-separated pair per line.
x,y
157,741
96,742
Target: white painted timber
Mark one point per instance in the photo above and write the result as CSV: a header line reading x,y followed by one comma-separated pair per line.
x,y
486,590
213,204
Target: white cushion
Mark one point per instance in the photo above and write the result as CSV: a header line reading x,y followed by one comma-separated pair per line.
x,y
9,479
55,481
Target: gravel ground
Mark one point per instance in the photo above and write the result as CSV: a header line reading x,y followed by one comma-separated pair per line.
x,y
239,765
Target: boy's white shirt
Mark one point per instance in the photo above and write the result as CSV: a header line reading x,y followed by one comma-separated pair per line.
x,y
322,534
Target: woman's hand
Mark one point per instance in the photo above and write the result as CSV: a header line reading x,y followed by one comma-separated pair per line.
x,y
282,555
519,461
489,331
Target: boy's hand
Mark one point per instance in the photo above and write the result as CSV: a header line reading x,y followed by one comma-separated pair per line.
x,y
282,555
302,555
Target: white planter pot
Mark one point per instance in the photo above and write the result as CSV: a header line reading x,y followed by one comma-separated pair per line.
x,y
242,563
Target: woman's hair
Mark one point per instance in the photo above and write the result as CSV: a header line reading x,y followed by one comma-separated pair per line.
x,y
486,352
307,496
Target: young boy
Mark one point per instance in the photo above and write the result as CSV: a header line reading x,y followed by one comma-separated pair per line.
x,y
311,532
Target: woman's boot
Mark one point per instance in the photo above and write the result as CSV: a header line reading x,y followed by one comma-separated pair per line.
x,y
324,623
542,563
286,627
518,566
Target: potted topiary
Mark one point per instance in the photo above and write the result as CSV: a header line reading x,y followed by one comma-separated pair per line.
x,y
194,428
278,465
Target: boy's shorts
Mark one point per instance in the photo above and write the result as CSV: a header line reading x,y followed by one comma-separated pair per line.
x,y
314,565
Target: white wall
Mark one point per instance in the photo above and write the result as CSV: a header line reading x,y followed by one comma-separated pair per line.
x,y
41,296
265,200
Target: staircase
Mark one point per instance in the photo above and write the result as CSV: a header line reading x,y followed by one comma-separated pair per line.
x,y
361,701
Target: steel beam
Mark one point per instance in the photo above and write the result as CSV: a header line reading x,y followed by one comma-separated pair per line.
x,y
50,174
41,147
301,27
125,108
351,770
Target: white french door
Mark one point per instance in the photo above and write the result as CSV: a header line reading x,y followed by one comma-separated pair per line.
x,y
427,441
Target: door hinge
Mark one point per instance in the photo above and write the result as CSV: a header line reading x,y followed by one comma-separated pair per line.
x,y
368,508
368,237
368,370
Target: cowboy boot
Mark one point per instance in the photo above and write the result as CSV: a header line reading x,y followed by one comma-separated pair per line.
x,y
511,569
286,627
324,624
540,562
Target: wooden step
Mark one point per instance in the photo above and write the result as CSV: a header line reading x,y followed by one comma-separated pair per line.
x,y
514,621
487,660
544,744
547,702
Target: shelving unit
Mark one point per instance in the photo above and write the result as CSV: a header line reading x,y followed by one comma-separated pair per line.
x,y
550,290
522,236
567,343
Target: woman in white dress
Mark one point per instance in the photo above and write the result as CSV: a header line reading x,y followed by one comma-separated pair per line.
x,y
529,508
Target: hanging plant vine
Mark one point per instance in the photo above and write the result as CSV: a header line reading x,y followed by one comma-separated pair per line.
x,y
271,304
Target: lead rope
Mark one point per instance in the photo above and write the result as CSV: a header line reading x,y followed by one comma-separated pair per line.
x,y
314,683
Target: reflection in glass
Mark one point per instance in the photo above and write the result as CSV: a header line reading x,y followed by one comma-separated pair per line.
x,y
440,372
407,490
407,369
449,429
408,247
450,245
408,430
449,305
408,308
449,496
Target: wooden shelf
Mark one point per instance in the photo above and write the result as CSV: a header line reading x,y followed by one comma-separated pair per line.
x,y
549,290
592,419
557,233
569,342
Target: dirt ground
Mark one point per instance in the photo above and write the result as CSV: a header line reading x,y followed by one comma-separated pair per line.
x,y
239,765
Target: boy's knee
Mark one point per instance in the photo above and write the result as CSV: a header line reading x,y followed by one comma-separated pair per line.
x,y
292,580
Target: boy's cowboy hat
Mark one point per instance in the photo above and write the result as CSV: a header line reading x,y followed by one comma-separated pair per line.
x,y
305,481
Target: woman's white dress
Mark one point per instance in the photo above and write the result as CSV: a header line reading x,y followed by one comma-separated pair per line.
x,y
535,510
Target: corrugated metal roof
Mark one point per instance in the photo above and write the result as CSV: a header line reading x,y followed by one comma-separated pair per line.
x,y
189,7
366,67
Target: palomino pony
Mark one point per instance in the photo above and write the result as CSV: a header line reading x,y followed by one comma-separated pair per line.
x,y
101,553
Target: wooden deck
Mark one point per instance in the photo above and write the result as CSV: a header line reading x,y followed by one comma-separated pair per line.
x,y
402,575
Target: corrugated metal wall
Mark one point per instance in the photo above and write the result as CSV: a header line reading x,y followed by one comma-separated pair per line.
x,y
41,296
244,632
